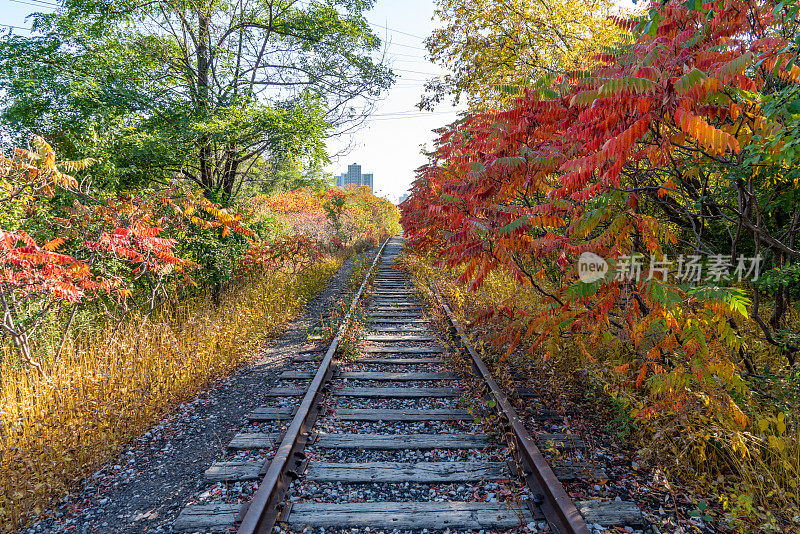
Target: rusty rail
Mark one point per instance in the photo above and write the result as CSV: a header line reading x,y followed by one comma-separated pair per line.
x,y
557,507
260,515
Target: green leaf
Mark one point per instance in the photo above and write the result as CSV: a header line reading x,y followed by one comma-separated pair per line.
x,y
581,290
548,93
514,225
689,80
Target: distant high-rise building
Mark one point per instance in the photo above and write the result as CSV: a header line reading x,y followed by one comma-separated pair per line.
x,y
403,198
353,176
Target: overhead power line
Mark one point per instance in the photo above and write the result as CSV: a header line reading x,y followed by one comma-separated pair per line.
x,y
417,61
410,112
396,31
392,43
37,3
399,118
16,27
419,72
52,5
418,57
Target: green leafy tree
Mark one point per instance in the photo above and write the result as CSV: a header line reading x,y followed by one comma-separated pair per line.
x,y
205,91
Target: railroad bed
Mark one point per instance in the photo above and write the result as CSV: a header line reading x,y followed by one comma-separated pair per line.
x,y
385,442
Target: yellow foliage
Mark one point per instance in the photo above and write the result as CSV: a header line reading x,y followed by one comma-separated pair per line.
x,y
493,48
112,385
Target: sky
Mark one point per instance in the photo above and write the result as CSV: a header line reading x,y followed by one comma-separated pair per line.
x,y
389,144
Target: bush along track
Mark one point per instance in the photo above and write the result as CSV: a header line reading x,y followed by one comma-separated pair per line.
x,y
596,456
146,486
649,202
119,306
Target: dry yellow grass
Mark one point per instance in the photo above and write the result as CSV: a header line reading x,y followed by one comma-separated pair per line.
x,y
111,386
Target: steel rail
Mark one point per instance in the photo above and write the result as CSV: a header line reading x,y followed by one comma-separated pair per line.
x,y
260,515
559,510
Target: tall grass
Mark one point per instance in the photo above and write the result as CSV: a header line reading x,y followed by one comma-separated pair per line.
x,y
111,385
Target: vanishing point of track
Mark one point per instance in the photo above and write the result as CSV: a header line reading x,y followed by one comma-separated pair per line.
x,y
388,426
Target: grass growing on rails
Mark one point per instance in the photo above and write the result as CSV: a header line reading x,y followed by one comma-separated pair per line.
x,y
110,386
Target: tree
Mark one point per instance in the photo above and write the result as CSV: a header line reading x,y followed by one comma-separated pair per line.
x,y
202,90
682,143
675,161
493,48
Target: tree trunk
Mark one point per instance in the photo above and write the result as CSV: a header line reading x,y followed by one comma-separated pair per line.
x,y
203,103
780,302
229,174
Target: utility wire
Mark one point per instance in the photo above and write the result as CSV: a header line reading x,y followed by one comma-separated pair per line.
x,y
37,3
410,112
417,61
416,56
17,27
396,31
395,118
308,4
419,72
392,43
51,5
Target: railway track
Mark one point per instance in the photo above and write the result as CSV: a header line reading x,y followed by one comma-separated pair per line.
x,y
386,442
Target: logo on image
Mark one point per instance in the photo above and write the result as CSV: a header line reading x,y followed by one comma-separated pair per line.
x,y
591,267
